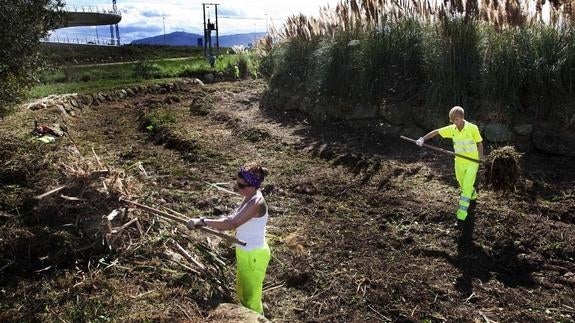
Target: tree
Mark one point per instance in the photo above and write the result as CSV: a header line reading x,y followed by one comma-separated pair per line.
x,y
23,24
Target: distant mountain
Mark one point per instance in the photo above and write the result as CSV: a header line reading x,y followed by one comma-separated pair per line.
x,y
178,38
181,38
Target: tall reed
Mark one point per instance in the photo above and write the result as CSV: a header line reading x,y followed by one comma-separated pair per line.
x,y
391,59
505,55
505,65
452,62
291,63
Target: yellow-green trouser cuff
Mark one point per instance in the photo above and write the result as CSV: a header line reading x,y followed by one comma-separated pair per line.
x,y
250,274
461,215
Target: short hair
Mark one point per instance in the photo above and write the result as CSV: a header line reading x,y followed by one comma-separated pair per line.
x,y
456,110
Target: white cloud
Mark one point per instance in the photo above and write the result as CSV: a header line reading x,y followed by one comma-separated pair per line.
x,y
148,18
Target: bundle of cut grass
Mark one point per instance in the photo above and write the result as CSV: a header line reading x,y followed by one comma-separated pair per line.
x,y
503,169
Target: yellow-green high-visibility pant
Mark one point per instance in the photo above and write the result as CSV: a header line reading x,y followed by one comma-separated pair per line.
x,y
250,274
465,172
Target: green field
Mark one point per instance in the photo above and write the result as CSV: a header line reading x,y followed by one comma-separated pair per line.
x,y
70,78
72,54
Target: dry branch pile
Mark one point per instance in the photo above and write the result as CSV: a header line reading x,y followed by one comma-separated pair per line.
x,y
89,190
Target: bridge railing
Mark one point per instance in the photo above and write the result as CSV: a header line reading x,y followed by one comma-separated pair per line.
x,y
91,9
81,40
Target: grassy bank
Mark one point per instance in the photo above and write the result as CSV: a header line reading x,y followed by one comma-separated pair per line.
x,y
90,87
96,77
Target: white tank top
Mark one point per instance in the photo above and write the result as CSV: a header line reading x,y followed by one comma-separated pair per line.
x,y
253,232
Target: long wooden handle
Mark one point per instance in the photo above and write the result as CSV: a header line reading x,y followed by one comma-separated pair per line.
x,y
182,221
442,150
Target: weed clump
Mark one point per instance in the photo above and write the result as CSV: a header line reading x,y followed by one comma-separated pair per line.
x,y
145,69
154,120
503,169
202,104
254,134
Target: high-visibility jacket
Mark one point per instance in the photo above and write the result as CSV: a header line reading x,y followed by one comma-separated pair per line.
x,y
464,141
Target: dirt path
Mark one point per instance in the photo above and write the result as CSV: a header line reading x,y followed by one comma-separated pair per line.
x,y
361,224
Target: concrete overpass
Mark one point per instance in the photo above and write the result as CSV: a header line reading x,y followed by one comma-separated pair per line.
x,y
86,16
79,16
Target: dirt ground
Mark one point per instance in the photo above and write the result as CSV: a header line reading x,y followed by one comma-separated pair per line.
x,y
361,224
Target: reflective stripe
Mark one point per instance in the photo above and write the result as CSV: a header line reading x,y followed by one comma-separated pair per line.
x,y
463,208
470,148
463,142
465,199
465,150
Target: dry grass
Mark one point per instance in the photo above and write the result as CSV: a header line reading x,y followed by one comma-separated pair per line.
x,y
368,15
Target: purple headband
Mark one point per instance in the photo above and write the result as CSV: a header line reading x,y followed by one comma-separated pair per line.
x,y
251,178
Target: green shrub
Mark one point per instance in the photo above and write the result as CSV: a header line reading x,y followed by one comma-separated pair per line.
x,y
187,72
155,119
193,71
243,66
145,69
341,67
267,64
69,75
291,70
85,77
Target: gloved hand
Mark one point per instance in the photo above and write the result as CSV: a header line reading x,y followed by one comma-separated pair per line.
x,y
420,141
195,223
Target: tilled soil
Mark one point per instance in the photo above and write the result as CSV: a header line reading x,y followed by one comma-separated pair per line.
x,y
361,228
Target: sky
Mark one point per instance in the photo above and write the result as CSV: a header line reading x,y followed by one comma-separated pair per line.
x,y
147,18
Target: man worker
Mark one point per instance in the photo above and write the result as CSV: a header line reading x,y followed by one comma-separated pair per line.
x,y
467,142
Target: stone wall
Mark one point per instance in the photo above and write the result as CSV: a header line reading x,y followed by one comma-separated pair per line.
x,y
398,118
69,105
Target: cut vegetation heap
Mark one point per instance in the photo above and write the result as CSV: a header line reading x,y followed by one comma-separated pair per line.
x,y
503,168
